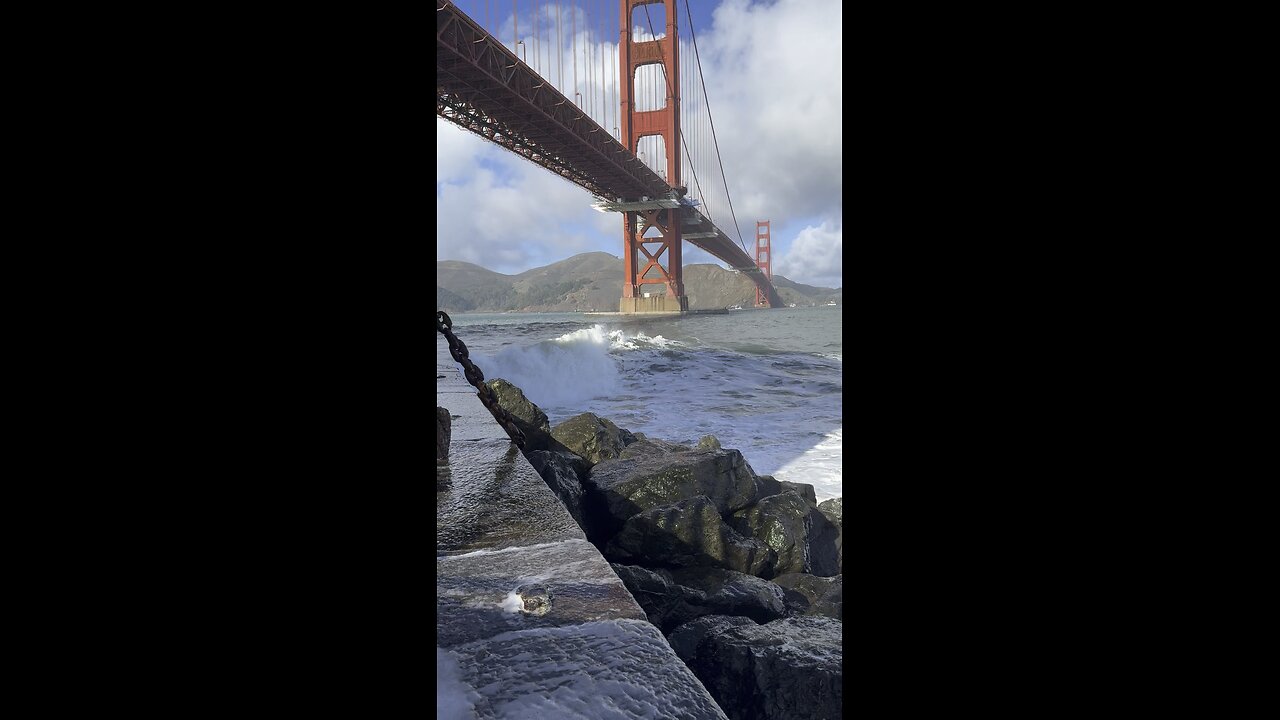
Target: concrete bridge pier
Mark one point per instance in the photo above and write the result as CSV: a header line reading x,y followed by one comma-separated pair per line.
x,y
653,304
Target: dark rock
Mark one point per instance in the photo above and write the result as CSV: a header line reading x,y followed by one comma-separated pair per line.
x,y
804,490
562,471
768,485
826,557
709,442
666,604
782,521
686,638
512,399
811,595
652,479
833,509
443,425
592,437
526,415
652,447
789,668
688,533
673,597
639,436
734,593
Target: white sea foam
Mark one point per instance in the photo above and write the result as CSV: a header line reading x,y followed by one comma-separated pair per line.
x,y
452,701
513,603
820,466
572,368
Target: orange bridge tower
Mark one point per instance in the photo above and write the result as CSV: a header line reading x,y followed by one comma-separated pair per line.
x,y
764,253
651,227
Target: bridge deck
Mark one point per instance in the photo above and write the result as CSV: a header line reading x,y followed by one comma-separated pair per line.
x,y
484,88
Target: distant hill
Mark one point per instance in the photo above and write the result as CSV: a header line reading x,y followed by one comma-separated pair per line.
x,y
593,281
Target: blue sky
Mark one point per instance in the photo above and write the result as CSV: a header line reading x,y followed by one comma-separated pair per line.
x,y
774,83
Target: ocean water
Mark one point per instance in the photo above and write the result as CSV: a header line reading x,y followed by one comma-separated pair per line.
x,y
766,382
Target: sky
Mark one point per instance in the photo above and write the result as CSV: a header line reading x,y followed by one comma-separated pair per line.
x,y
774,88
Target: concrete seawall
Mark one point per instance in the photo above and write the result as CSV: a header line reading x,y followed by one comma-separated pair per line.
x,y
529,615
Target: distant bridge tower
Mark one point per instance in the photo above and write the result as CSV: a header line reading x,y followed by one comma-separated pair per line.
x,y
653,223
764,256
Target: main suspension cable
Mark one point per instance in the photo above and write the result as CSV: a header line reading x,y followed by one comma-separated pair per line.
x,y
712,120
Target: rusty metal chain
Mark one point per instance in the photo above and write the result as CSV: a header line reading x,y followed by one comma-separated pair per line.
x,y
458,350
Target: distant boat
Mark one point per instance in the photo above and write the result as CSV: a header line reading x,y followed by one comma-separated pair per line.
x,y
734,307
792,305
831,304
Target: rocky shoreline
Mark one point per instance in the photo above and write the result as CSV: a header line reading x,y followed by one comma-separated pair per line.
x,y
741,572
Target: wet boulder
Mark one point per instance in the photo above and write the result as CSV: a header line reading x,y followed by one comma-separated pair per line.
x,y
592,437
826,556
833,509
782,522
651,447
443,430
812,595
652,479
512,399
709,442
666,603
688,533
734,593
785,669
527,416
804,490
561,471
768,485
686,638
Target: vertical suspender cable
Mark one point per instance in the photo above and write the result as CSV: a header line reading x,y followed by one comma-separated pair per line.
x,y
572,41
587,53
559,45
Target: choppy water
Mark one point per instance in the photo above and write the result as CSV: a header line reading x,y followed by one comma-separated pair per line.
x,y
765,382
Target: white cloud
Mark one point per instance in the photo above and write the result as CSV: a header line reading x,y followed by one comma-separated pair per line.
x,y
814,257
775,82
498,210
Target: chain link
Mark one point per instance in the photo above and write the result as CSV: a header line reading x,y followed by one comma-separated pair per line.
x,y
458,350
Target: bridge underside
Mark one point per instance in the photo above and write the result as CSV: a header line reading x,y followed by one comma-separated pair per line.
x,y
484,88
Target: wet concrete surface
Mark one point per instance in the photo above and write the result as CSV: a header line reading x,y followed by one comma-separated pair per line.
x,y
570,581
495,499
611,669
536,618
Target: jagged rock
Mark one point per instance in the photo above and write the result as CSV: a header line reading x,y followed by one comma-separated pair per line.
x,y
512,399
688,533
804,490
651,447
786,669
592,437
782,521
833,510
826,556
639,436
443,430
527,416
734,593
622,488
811,595
686,638
709,442
666,604
671,598
768,485
561,471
